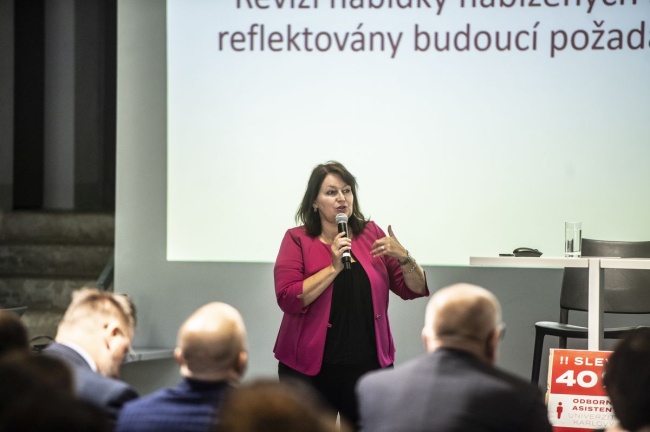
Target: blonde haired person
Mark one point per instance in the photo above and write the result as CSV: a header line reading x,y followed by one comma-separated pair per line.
x,y
92,339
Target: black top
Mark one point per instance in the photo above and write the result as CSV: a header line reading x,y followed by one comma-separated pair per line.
x,y
351,333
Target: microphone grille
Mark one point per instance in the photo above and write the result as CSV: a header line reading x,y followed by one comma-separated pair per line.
x,y
341,218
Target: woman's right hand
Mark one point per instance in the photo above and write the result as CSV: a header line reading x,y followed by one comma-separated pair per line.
x,y
340,245
314,285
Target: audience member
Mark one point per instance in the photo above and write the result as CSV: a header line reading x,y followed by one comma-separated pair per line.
x,y
36,395
455,386
46,411
20,371
13,333
267,405
92,339
212,354
627,381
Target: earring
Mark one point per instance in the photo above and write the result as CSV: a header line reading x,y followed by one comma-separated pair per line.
x,y
315,209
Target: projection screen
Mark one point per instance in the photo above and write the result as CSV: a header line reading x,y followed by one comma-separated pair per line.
x,y
472,126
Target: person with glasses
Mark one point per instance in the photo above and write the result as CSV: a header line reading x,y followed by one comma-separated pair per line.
x,y
455,386
92,339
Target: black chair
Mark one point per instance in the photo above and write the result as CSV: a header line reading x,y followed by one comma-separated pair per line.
x,y
625,292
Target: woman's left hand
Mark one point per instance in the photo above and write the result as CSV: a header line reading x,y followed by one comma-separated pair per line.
x,y
390,246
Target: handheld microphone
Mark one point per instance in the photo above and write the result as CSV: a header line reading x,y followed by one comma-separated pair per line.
x,y
342,222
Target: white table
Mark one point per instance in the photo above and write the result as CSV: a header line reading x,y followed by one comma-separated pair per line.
x,y
595,266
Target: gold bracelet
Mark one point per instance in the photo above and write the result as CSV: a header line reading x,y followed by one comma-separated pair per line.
x,y
411,269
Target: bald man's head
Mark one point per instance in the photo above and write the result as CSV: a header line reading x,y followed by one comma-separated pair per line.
x,y
212,344
463,316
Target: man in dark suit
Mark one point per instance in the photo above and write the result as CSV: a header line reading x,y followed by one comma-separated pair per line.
x,y
92,339
212,354
455,386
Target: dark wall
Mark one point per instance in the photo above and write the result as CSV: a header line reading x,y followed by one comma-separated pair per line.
x,y
95,23
95,49
29,86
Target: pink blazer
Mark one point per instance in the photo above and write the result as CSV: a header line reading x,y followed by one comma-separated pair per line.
x,y
301,339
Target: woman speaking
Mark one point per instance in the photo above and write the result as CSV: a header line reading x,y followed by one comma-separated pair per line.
x,y
335,324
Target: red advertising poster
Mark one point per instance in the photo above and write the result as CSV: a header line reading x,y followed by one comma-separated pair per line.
x,y
576,398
